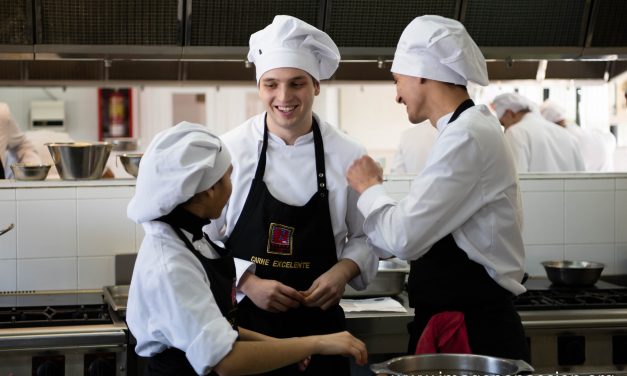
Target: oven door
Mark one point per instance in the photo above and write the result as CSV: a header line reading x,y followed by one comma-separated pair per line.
x,y
64,351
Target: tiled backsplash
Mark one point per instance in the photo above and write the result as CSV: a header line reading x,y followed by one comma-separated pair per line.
x,y
580,217
66,235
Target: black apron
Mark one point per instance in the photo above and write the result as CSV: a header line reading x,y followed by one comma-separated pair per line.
x,y
1,170
293,245
445,279
221,274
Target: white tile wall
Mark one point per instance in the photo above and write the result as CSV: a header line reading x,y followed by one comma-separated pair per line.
x,y
8,272
589,217
46,228
67,237
95,272
47,274
620,210
103,227
543,216
8,241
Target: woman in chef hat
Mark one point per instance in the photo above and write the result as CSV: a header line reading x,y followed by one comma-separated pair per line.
x,y
292,214
181,305
460,224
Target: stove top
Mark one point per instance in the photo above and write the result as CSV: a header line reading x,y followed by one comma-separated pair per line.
x,y
542,295
61,308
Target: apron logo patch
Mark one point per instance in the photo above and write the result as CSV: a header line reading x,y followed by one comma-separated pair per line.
x,y
280,239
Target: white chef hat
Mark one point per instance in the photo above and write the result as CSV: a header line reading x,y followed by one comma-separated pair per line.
x,y
552,111
291,43
439,49
179,162
513,102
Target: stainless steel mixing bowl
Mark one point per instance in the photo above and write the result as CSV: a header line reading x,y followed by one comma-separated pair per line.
x,y
25,171
573,273
131,162
80,160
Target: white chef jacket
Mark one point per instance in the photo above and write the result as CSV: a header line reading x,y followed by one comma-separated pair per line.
x,y
12,140
414,147
541,146
597,148
469,188
170,303
291,178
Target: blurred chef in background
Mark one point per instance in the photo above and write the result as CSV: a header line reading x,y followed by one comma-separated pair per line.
x,y
460,223
597,147
537,144
14,145
414,147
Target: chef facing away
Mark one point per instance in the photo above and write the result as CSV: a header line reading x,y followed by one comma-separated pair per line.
x,y
292,220
460,224
181,306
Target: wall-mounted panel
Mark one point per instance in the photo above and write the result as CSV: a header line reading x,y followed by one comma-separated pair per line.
x,y
16,26
378,23
608,24
64,70
110,22
230,22
537,23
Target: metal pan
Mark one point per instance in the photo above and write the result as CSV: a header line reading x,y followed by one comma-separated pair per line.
x,y
116,297
451,364
573,273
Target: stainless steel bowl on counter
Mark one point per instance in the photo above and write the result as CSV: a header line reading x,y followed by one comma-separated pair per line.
x,y
573,273
80,160
131,162
25,171
450,364
389,281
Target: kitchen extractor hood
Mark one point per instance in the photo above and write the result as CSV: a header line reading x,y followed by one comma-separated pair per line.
x,y
198,40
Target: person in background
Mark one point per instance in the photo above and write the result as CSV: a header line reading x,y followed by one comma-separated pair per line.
x,y
14,146
460,224
181,303
597,148
537,144
413,149
292,215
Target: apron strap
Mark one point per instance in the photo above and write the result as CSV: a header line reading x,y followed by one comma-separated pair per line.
x,y
461,108
319,150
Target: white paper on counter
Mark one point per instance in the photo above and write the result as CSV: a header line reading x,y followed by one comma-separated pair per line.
x,y
372,305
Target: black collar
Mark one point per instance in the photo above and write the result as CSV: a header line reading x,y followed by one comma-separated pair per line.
x,y
187,221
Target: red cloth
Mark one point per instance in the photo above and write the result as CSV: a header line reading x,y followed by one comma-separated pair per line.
x,y
445,333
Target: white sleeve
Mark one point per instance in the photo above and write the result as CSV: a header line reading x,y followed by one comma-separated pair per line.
x,y
357,248
440,200
19,144
189,317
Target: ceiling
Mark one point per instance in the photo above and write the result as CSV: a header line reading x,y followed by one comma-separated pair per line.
x,y
78,41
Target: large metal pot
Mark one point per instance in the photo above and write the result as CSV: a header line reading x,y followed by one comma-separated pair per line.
x,y
573,273
80,160
450,364
389,281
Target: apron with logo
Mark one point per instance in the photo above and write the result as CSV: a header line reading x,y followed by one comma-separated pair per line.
x,y
445,279
221,274
293,245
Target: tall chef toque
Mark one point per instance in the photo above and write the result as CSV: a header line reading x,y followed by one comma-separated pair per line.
x,y
440,49
513,102
179,162
291,43
552,111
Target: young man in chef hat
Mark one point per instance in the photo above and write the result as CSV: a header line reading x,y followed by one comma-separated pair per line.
x,y
292,215
537,144
181,306
460,224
